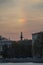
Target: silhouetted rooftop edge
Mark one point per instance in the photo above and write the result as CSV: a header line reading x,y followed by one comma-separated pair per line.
x,y
37,33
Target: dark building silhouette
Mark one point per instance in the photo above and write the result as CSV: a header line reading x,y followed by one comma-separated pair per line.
x,y
37,44
21,37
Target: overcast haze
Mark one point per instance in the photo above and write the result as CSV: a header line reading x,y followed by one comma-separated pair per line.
x,y
20,15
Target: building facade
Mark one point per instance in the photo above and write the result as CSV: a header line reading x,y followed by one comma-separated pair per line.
x,y
4,41
37,44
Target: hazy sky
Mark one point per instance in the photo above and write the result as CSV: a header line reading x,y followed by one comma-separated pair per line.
x,y
20,15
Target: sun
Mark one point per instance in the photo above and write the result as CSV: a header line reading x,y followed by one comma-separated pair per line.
x,y
21,20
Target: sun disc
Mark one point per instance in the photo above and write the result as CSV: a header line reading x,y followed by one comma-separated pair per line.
x,y
21,20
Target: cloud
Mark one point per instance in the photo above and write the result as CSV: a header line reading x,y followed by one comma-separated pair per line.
x,y
38,6
21,8
8,3
12,10
22,4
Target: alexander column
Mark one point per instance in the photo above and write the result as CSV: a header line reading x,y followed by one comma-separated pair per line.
x,y
21,37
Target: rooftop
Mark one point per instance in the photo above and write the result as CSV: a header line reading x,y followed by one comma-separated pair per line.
x,y
37,33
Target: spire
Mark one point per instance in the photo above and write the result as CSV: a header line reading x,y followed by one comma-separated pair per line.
x,y
21,37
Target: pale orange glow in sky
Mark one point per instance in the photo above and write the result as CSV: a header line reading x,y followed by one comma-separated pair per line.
x,y
21,20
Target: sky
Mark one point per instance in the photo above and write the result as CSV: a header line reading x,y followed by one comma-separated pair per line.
x,y
18,16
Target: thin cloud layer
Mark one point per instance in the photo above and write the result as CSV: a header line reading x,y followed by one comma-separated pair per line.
x,y
13,13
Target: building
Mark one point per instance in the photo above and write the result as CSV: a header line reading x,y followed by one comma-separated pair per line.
x,y
4,41
37,44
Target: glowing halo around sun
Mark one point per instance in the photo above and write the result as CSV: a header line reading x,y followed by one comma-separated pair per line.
x,y
21,20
